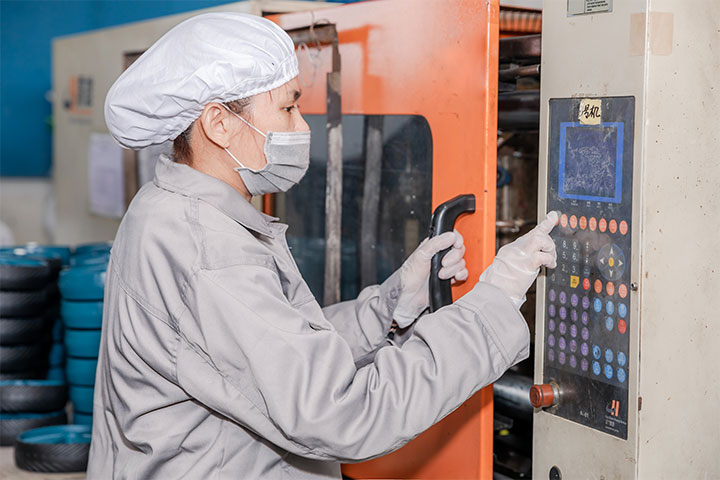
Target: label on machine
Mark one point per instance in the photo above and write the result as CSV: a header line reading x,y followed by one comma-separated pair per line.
x,y
587,298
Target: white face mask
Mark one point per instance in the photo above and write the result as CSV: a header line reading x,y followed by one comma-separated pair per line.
x,y
288,158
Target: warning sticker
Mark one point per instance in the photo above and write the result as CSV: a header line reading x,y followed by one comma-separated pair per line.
x,y
584,7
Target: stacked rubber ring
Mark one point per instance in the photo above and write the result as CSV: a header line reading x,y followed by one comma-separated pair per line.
x,y
82,287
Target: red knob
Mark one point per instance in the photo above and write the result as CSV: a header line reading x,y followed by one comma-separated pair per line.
x,y
542,396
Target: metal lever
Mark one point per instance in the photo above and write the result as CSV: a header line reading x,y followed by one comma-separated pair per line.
x,y
443,220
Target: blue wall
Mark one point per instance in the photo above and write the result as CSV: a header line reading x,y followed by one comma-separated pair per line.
x,y
26,30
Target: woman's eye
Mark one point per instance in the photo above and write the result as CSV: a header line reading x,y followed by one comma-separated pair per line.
x,y
290,108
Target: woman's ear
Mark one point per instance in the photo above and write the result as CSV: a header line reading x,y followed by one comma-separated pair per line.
x,y
215,123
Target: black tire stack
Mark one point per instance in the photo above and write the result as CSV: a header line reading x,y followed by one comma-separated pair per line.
x,y
82,287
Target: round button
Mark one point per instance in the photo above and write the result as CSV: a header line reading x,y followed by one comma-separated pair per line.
x,y
608,372
573,222
542,396
583,223
610,288
609,324
573,315
563,298
561,358
563,220
622,310
586,283
561,344
551,325
584,349
574,300
596,368
621,375
602,225
596,352
552,295
622,326
597,305
592,224
586,303
573,361
623,227
551,310
609,355
563,313
622,290
573,330
573,346
585,318
584,364
598,286
612,226
563,328
610,308
585,333
551,355
621,359
551,340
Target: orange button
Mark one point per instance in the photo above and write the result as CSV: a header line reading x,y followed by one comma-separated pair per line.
x,y
583,223
622,290
622,326
602,225
623,227
610,288
612,226
542,396
598,286
586,284
573,222
592,224
563,220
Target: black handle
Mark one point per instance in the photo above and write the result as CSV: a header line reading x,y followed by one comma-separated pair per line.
x,y
443,220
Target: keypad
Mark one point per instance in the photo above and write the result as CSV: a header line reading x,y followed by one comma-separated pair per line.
x,y
587,298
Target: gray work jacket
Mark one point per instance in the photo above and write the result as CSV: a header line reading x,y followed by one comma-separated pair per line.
x,y
217,362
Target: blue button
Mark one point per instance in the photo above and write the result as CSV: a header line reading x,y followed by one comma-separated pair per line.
x,y
608,372
622,310
597,305
621,375
563,313
621,360
596,352
609,323
596,368
608,355
551,310
610,308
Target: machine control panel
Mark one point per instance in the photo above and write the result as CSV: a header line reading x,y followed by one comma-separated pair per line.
x,y
587,297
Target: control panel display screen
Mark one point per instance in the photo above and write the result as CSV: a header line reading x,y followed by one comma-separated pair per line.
x,y
591,162
588,298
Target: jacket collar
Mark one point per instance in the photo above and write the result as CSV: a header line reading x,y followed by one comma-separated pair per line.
x,y
184,180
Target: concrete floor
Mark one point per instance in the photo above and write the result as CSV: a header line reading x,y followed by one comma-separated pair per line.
x,y
8,470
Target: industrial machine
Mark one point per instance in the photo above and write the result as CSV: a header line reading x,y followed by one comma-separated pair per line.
x,y
626,385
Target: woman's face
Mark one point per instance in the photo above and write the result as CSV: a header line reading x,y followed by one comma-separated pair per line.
x,y
273,111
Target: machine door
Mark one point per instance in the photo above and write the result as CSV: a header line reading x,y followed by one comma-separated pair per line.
x,y
419,86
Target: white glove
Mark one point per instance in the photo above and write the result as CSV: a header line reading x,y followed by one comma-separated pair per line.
x,y
517,264
415,274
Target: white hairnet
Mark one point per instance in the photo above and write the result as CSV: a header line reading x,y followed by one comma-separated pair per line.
x,y
214,57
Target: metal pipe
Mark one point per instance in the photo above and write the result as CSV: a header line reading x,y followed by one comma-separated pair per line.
x,y
512,395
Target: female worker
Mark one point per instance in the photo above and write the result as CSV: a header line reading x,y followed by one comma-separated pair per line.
x,y
216,361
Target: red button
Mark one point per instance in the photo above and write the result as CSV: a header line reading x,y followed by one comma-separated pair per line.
x,y
610,288
573,222
586,284
563,220
602,224
598,286
592,224
622,326
622,290
623,227
583,223
612,226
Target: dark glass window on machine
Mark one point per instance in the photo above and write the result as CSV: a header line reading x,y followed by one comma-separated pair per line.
x,y
383,221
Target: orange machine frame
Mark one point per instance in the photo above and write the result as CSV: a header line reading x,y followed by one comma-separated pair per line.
x,y
438,59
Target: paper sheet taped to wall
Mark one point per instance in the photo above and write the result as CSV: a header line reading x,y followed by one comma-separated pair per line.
x,y
105,176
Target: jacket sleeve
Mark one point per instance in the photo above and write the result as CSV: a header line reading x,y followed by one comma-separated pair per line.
x,y
247,354
364,323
